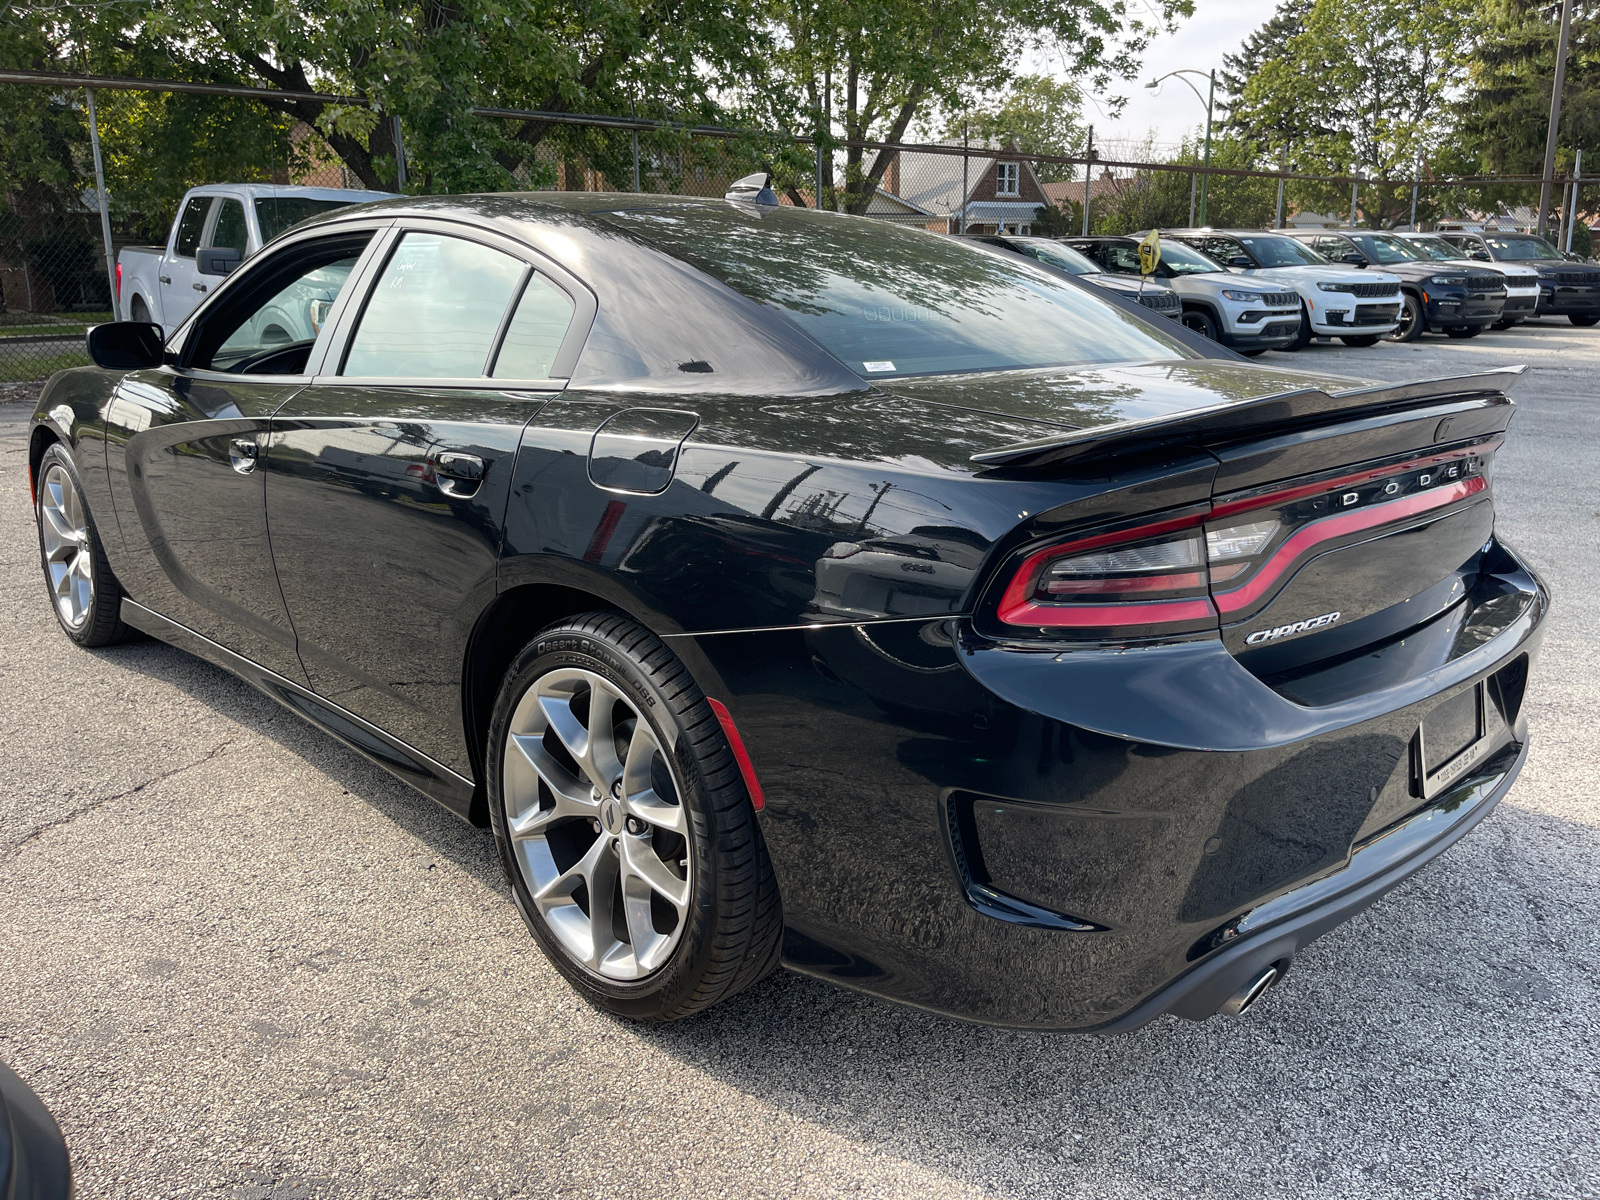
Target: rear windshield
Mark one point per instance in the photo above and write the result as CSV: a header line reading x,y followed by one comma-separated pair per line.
x,y
1518,249
889,301
1281,252
274,214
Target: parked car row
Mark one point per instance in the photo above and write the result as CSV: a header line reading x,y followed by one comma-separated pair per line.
x,y
1358,285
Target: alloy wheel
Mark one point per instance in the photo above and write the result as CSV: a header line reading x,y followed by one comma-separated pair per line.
x,y
69,560
597,823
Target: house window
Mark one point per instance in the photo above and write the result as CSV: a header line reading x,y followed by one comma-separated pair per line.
x,y
1007,179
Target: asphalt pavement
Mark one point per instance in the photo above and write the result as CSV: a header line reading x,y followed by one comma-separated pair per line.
x,y
238,961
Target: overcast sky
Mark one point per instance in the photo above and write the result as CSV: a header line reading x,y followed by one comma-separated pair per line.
x,y
1217,28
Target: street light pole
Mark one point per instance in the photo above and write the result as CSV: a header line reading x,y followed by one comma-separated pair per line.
x,y
1555,117
1205,180
1209,102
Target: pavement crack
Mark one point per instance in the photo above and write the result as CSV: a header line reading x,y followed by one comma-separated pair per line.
x,y
93,805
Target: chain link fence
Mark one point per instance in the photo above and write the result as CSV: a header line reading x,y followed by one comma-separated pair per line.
x,y
54,280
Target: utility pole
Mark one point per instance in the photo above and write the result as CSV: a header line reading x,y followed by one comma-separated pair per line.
x,y
1555,117
105,210
1354,184
1572,209
1088,174
966,158
1205,180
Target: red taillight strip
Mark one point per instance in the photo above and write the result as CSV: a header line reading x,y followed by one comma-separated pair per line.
x,y
740,754
1270,499
1127,583
1019,591
1104,616
1329,528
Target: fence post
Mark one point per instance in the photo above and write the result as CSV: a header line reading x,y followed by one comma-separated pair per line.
x,y
817,201
399,157
1572,209
1354,184
1284,167
1088,174
105,211
966,158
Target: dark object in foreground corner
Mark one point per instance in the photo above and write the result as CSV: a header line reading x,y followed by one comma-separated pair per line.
x,y
781,584
33,1157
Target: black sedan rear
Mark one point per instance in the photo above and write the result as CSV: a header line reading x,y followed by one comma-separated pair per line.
x,y
786,586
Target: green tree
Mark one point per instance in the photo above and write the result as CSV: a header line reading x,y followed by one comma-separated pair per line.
x,y
1363,86
1036,114
865,70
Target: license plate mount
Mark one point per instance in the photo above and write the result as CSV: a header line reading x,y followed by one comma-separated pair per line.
x,y
1454,737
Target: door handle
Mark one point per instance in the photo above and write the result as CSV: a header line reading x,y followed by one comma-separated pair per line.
x,y
199,287
243,454
458,474
164,278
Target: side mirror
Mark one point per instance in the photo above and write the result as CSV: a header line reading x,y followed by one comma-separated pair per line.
x,y
1241,261
1479,255
218,260
126,345
1355,258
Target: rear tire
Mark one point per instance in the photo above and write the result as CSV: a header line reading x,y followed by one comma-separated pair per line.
x,y
1583,322
84,594
573,812
1412,323
1200,322
1362,339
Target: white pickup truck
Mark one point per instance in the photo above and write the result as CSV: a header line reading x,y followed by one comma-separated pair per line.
x,y
228,222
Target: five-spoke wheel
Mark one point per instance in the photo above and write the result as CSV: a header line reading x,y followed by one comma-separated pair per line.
x,y
68,559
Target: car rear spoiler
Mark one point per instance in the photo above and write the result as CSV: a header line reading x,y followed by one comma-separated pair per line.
x,y
1221,422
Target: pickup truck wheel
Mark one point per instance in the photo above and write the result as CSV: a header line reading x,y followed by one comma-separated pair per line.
x,y
1583,322
1412,325
1201,323
1302,338
85,595
624,826
137,310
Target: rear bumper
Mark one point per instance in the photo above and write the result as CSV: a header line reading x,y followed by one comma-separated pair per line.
x,y
1084,840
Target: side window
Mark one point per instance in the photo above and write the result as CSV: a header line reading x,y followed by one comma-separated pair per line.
x,y
1222,249
1124,260
191,225
1331,247
272,317
435,310
230,231
535,332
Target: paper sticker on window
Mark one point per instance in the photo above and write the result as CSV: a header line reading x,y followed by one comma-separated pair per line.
x,y
878,366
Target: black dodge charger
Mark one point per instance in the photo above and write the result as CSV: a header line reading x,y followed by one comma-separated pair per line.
x,y
782,586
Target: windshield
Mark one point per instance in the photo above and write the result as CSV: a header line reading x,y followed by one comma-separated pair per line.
x,y
889,301
1437,249
1282,252
1518,248
1064,257
1386,249
274,214
1180,259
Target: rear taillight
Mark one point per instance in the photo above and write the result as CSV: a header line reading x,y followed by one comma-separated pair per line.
x,y
119,283
1141,581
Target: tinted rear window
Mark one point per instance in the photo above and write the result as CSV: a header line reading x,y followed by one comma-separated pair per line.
x,y
274,214
889,301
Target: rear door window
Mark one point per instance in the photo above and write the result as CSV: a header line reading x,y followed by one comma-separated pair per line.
x,y
191,225
229,231
435,310
535,332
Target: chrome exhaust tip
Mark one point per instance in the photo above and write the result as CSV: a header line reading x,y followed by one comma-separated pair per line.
x,y
1254,990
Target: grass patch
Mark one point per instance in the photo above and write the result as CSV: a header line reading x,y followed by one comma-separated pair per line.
x,y
26,370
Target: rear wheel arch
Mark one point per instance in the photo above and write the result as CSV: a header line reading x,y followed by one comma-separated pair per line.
x,y
42,439
512,621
